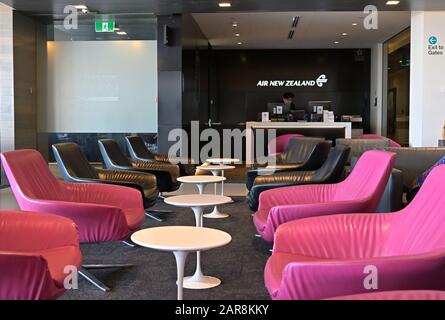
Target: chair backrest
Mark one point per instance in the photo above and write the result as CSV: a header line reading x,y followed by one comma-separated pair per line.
x,y
368,180
299,149
360,146
420,227
415,161
334,167
137,148
279,144
392,143
30,177
72,162
112,154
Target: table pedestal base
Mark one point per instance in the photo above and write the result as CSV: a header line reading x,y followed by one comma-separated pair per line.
x,y
200,281
216,214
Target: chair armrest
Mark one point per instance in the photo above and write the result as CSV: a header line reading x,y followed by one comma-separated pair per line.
x,y
252,175
29,231
309,280
330,237
156,167
96,222
296,195
104,194
24,276
136,180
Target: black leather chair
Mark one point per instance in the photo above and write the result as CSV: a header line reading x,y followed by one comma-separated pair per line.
x,y
139,152
332,171
75,167
300,155
114,159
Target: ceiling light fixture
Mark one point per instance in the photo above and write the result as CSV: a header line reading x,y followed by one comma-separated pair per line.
x,y
234,24
355,24
237,35
392,3
336,42
225,4
239,43
344,34
121,33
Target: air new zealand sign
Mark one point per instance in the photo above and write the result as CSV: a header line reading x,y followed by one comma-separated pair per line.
x,y
319,82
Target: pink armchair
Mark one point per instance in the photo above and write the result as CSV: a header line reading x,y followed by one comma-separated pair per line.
x,y
34,251
360,192
278,145
102,212
326,257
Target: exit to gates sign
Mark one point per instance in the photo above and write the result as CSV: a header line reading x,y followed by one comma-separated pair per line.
x,y
105,24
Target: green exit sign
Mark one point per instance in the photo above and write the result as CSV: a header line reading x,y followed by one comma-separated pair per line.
x,y
105,24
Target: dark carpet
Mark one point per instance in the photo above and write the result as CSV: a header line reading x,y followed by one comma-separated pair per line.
x,y
239,265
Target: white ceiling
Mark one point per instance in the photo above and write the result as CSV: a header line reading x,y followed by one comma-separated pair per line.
x,y
315,29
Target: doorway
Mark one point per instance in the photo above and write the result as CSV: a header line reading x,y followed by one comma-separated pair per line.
x,y
397,87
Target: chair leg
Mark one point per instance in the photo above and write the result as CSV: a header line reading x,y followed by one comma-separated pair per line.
x,y
129,243
93,280
160,211
152,216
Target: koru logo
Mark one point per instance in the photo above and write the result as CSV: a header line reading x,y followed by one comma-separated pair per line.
x,y
432,40
322,80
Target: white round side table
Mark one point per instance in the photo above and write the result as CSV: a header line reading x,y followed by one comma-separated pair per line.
x,y
198,202
223,161
181,241
201,181
217,171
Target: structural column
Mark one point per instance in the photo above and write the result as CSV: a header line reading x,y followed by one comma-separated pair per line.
x,y
169,78
427,100
6,82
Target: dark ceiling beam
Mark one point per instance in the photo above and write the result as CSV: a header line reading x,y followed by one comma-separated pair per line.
x,y
191,6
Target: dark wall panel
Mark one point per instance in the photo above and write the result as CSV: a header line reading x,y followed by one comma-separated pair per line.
x,y
169,79
25,112
237,72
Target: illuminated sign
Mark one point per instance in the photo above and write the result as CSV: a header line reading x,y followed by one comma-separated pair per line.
x,y
319,82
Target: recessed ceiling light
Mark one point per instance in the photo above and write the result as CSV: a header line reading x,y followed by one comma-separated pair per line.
x,y
239,42
225,4
336,42
392,3
344,34
121,33
355,24
234,24
237,35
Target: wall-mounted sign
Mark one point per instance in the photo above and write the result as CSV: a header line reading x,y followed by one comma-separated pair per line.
x,y
320,82
434,48
105,23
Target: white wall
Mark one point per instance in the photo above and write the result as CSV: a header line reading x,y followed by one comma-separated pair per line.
x,y
376,88
98,86
427,105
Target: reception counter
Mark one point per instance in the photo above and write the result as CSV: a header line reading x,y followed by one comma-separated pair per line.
x,y
330,131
